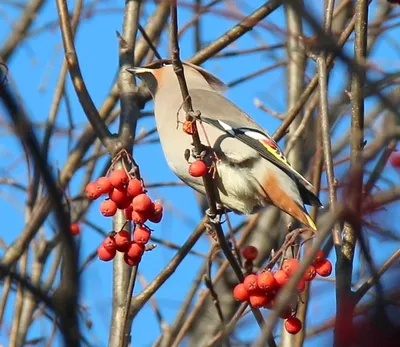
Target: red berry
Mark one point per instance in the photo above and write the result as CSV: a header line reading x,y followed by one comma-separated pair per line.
x,y
122,241
281,277
189,127
240,293
258,299
125,204
141,235
301,286
103,184
128,212
91,191
156,218
135,187
119,179
198,168
118,196
266,281
105,254
108,208
138,218
250,252
324,268
135,250
290,266
109,244
75,229
310,273
132,261
250,283
158,207
319,257
157,214
142,203
293,325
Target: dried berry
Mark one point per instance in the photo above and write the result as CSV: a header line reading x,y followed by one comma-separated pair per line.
x,y
250,252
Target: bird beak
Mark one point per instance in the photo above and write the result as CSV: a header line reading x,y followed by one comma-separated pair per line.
x,y
138,70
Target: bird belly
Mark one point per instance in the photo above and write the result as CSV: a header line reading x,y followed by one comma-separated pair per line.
x,y
237,189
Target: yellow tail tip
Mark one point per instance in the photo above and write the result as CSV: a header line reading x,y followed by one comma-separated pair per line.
x,y
311,222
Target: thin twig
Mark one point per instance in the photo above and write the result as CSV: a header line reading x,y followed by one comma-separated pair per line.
x,y
325,126
257,73
139,300
202,299
236,32
366,286
281,131
229,327
80,87
66,303
20,28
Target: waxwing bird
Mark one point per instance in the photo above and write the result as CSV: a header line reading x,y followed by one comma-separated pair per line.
x,y
251,170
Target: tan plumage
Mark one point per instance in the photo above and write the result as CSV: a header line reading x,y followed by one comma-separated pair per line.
x,y
251,170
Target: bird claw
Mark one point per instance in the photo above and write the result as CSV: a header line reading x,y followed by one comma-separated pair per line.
x,y
215,218
194,114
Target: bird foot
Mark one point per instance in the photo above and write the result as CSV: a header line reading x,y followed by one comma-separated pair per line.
x,y
216,217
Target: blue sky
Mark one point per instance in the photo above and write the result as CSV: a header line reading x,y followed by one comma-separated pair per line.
x,y
34,70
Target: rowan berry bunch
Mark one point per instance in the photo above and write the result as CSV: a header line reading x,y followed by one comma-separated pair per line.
x,y
261,289
126,193
121,241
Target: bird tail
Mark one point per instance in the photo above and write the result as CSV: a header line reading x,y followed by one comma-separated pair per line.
x,y
310,222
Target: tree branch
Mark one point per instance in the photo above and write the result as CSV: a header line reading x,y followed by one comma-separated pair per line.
x,y
66,302
211,192
344,267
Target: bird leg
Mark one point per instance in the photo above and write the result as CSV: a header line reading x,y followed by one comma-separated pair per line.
x,y
216,217
193,115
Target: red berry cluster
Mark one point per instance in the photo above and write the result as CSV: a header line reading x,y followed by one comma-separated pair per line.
x,y
260,290
128,194
121,242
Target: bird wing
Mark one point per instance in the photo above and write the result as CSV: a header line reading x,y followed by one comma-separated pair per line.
x,y
244,129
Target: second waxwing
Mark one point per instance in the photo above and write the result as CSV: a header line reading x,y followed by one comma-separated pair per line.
x,y
251,170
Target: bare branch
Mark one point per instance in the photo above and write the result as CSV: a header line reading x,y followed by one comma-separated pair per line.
x,y
20,28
